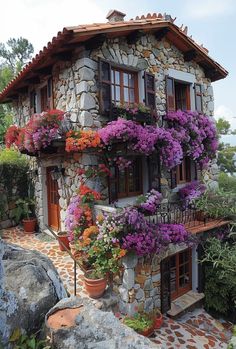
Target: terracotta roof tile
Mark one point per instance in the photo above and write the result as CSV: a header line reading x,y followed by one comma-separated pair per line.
x,y
154,20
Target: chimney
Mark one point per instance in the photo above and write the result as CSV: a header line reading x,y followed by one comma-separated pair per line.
x,y
115,16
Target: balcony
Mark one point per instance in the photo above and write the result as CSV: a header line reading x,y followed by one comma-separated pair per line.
x,y
194,221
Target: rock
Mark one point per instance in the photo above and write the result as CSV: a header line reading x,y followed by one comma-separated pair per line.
x,y
86,74
86,119
87,62
82,86
91,328
142,64
87,101
148,305
140,294
29,287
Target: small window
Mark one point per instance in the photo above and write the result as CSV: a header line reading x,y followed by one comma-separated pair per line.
x,y
124,87
127,182
177,95
183,171
180,273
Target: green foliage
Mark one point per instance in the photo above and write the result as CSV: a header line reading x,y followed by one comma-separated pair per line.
x,y
13,172
226,160
218,204
5,122
16,53
223,126
23,341
227,183
139,322
220,276
24,209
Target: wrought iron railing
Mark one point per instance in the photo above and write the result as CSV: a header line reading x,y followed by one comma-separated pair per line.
x,y
174,213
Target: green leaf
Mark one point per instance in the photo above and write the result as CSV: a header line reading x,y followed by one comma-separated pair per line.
x,y
15,335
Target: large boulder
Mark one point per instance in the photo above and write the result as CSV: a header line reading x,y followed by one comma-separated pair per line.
x,y
75,323
29,287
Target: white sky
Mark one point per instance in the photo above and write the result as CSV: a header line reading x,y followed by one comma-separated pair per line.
x,y
211,22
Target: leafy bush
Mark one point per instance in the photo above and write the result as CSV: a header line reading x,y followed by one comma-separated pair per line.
x,y
218,204
220,276
227,183
24,341
13,172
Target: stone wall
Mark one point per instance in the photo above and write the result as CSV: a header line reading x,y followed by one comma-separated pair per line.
x,y
138,285
76,89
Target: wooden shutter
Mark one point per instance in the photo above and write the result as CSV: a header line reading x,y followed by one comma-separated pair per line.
x,y
150,95
170,94
50,94
188,169
173,177
154,172
32,102
198,97
165,285
105,87
113,185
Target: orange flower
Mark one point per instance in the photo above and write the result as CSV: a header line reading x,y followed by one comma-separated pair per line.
x,y
122,253
100,218
89,231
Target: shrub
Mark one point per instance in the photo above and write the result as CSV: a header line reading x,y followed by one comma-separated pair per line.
x,y
13,172
227,183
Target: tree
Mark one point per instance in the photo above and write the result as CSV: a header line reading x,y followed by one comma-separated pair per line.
x,y
223,126
16,53
13,56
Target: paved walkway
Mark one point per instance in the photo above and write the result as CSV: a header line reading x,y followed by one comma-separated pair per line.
x,y
195,330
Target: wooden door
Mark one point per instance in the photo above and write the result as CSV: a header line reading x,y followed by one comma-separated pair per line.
x,y
53,201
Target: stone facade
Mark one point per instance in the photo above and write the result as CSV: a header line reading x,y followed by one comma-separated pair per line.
x,y
76,89
139,282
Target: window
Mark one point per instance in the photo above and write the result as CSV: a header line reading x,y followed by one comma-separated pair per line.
x,y
124,87
180,273
185,172
119,85
178,95
127,182
41,99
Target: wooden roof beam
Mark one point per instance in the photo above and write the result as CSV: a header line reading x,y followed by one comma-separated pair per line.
x,y
133,37
190,55
160,34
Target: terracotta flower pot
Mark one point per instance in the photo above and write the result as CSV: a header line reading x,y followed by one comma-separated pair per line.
x,y
29,225
147,332
63,238
158,321
95,287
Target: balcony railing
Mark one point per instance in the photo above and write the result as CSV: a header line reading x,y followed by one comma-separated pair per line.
x,y
173,213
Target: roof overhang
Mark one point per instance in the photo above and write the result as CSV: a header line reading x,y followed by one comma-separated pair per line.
x,y
62,46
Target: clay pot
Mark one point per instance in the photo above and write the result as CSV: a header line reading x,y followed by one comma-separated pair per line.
x,y
158,321
63,238
29,225
95,287
147,332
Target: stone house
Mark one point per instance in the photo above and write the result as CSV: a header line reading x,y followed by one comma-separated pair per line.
x,y
88,70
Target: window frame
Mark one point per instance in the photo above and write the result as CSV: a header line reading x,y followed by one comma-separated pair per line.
x,y
123,71
179,291
114,180
186,166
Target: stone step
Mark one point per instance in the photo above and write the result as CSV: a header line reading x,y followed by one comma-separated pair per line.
x,y
187,302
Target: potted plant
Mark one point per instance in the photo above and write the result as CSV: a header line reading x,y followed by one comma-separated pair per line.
x,y
158,319
25,210
142,323
95,283
63,240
